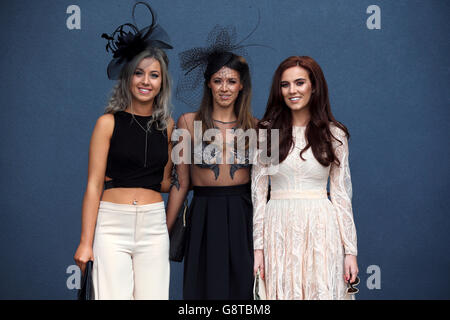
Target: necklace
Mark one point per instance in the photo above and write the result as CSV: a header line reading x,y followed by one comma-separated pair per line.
x,y
225,122
146,138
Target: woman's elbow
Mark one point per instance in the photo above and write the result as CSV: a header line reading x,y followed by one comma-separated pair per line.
x,y
165,186
94,187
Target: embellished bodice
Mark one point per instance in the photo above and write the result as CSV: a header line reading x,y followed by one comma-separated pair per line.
x,y
297,176
212,156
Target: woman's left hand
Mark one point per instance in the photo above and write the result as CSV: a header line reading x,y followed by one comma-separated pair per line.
x,y
350,268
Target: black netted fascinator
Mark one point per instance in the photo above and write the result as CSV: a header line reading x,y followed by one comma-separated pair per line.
x,y
127,41
200,63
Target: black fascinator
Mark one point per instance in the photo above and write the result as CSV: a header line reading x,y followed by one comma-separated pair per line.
x,y
200,63
127,41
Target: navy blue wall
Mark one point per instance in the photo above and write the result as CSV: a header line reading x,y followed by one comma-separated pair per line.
x,y
389,86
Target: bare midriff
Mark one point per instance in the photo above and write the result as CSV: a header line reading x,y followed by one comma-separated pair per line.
x,y
137,196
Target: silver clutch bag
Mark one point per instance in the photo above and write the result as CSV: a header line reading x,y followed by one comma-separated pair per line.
x,y
259,288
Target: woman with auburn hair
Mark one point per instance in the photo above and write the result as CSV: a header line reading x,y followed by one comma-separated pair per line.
x,y
218,259
305,244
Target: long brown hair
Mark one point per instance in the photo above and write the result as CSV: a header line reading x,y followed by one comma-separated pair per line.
x,y
242,105
279,116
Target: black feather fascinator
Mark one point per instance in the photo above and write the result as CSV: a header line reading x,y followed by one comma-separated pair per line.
x,y
127,41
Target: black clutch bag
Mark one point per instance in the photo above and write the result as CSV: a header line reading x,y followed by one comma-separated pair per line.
x,y
86,291
178,235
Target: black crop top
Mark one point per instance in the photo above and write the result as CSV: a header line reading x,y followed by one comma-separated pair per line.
x,y
128,165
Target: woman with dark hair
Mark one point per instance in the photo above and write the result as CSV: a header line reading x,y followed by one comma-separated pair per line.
x,y
218,261
124,227
305,244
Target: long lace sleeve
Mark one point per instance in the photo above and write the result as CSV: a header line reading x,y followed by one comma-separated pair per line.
x,y
341,192
260,184
180,172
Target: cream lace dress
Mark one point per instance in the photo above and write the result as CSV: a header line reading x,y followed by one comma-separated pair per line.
x,y
304,235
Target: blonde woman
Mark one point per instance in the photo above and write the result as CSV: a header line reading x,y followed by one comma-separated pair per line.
x,y
124,227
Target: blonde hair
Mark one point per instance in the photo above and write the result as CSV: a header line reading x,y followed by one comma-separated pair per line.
x,y
121,96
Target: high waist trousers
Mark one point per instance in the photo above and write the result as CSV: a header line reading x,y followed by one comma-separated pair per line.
x,y
131,252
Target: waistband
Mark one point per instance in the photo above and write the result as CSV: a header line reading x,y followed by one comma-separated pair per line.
x,y
298,194
204,191
131,208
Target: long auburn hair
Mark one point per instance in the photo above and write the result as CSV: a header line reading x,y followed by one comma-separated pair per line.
x,y
242,105
317,133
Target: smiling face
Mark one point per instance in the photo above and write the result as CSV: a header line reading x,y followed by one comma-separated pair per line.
x,y
225,86
146,81
296,88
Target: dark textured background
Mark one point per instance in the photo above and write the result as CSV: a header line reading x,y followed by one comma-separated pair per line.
x,y
389,87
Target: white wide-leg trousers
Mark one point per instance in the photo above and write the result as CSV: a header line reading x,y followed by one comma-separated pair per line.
x,y
131,252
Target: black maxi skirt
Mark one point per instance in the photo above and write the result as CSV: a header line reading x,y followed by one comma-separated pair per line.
x,y
219,248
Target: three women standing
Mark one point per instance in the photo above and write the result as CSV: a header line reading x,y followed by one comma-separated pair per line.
x,y
303,244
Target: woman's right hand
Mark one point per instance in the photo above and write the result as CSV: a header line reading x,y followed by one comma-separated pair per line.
x,y
83,254
259,263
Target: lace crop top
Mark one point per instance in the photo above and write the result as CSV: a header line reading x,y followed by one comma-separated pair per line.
x,y
136,157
